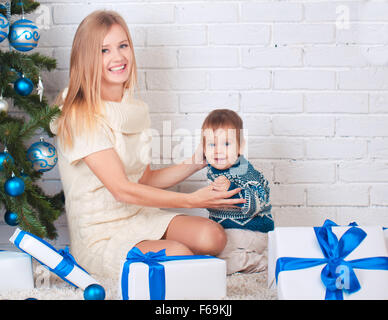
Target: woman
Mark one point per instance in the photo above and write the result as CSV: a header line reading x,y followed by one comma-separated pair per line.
x,y
112,195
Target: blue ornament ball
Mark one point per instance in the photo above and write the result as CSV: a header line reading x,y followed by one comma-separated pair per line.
x,y
43,156
24,35
11,218
5,156
14,187
23,86
94,292
4,27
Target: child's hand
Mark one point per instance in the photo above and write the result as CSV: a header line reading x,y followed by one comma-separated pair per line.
x,y
221,183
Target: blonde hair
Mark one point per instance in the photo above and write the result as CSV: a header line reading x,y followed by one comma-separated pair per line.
x,y
83,101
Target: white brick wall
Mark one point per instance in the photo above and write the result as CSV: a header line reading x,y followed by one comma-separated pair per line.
x,y
310,80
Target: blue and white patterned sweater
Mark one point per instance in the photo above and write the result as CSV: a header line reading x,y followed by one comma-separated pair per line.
x,y
255,214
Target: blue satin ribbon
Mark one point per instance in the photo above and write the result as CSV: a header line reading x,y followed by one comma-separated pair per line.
x,y
335,251
156,274
64,268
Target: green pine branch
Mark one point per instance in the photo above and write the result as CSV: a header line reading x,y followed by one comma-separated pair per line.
x,y
30,65
28,5
36,211
47,212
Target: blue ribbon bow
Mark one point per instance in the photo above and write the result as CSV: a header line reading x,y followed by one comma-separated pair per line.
x,y
64,268
156,275
335,251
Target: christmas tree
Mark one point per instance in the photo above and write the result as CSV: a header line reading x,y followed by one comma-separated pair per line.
x,y
21,166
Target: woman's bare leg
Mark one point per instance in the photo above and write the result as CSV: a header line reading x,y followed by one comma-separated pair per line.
x,y
201,235
187,235
173,248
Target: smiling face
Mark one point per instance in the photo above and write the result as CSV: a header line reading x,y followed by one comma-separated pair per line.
x,y
116,57
221,147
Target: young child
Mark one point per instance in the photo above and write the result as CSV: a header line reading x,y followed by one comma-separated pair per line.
x,y
246,224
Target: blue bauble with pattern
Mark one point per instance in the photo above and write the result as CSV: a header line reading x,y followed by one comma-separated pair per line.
x,y
24,35
94,292
43,156
23,86
5,156
11,218
14,187
4,27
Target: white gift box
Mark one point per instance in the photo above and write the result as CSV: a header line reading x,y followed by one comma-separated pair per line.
x,y
306,284
386,237
15,271
192,279
50,257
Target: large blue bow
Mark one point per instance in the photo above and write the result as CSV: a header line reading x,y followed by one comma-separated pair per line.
x,y
335,251
64,268
156,275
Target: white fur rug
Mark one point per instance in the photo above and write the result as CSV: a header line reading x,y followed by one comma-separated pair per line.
x,y
49,287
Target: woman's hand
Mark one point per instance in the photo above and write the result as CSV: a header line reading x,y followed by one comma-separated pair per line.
x,y
198,158
167,177
208,198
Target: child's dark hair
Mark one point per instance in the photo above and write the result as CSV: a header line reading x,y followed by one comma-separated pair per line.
x,y
221,118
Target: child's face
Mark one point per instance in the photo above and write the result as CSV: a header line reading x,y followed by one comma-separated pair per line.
x,y
221,147
116,57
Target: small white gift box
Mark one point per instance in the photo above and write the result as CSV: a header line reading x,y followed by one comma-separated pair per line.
x,y
366,263
60,262
150,276
15,271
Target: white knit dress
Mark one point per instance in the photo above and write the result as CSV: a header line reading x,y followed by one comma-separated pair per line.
x,y
102,230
